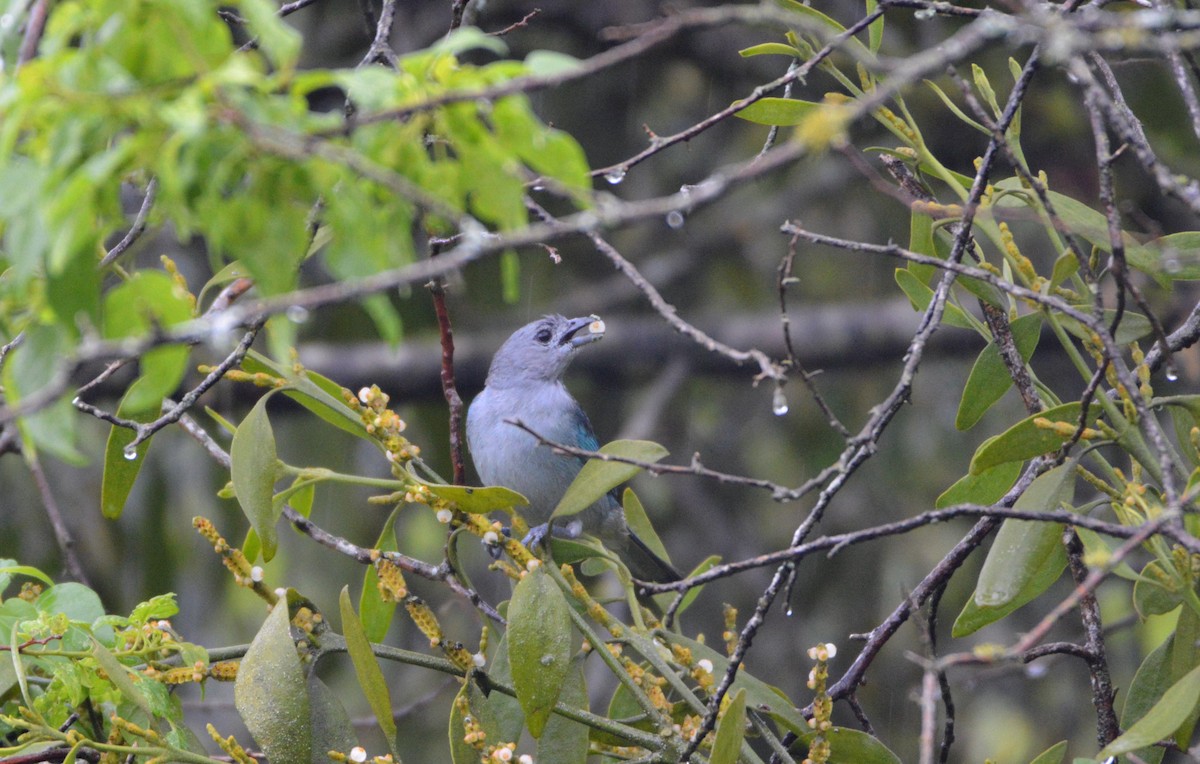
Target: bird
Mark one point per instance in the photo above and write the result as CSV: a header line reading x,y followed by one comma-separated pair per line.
x,y
525,383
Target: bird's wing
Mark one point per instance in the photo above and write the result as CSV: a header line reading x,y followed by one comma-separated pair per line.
x,y
585,437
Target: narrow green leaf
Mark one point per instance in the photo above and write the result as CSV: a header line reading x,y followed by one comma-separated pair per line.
x,y
254,471
477,500
953,107
759,695
1052,755
731,731
1151,680
875,30
377,614
332,729
985,88
505,710
769,48
920,240
986,488
639,523
565,741
461,752
366,668
120,471
779,112
1025,440
920,295
1022,546
989,378
24,570
318,394
121,677
694,592
539,646
271,693
1161,721
598,477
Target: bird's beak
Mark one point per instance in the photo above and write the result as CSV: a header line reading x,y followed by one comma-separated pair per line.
x,y
595,331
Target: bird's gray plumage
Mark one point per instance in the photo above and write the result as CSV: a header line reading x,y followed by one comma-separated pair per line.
x,y
525,383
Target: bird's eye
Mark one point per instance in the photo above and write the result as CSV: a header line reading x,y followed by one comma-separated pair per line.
x,y
543,336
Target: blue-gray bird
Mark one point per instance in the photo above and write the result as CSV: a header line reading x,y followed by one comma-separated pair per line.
x,y
525,383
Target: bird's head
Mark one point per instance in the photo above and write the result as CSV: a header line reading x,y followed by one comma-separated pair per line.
x,y
542,350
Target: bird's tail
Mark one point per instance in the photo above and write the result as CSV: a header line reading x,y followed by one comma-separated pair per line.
x,y
644,564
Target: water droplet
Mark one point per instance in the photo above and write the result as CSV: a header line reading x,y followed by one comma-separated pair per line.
x,y
1171,263
614,177
1172,374
675,219
924,13
130,453
779,404
788,612
75,401
546,660
297,314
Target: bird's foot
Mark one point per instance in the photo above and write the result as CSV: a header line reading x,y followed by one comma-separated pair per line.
x,y
536,536
539,533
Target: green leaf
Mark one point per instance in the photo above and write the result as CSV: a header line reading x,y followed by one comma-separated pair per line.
x,y
375,612
254,471
850,746
759,695
275,37
1025,440
1133,326
565,741
875,30
1022,546
989,378
121,677
120,471
332,729
920,240
705,565
551,63
271,692
1161,721
505,710
769,48
598,477
779,112
136,308
7,571
1052,755
476,500
975,616
1066,266
986,488
539,646
953,107
1152,679
731,731
639,523
366,668
1156,591
920,295
319,394
1176,256
29,369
